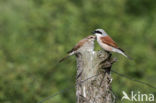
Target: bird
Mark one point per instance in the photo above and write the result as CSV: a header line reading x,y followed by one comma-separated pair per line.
x,y
77,47
107,43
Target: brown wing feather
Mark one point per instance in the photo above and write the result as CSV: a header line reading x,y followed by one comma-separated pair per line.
x,y
108,40
78,45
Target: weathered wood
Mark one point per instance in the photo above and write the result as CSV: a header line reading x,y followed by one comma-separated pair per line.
x,y
93,83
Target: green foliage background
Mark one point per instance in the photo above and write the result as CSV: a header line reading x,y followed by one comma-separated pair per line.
x,y
35,34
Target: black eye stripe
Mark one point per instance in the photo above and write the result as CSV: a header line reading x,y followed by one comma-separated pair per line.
x,y
98,32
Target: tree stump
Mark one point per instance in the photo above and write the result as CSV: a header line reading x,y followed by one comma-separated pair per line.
x,y
93,81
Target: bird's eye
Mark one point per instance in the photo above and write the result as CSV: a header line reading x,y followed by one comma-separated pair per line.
x,y
91,37
99,32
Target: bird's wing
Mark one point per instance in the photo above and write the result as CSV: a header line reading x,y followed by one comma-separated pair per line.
x,y
71,52
108,40
78,45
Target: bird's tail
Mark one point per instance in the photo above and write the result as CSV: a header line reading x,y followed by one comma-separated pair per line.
x,y
124,54
63,58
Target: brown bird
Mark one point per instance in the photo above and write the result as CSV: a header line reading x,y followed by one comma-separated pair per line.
x,y
81,43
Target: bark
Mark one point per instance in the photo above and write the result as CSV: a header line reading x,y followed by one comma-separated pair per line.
x,y
93,81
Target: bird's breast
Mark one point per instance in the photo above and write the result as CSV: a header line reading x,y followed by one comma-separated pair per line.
x,y
103,45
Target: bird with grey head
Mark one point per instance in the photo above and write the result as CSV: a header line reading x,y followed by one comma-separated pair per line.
x,y
107,43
